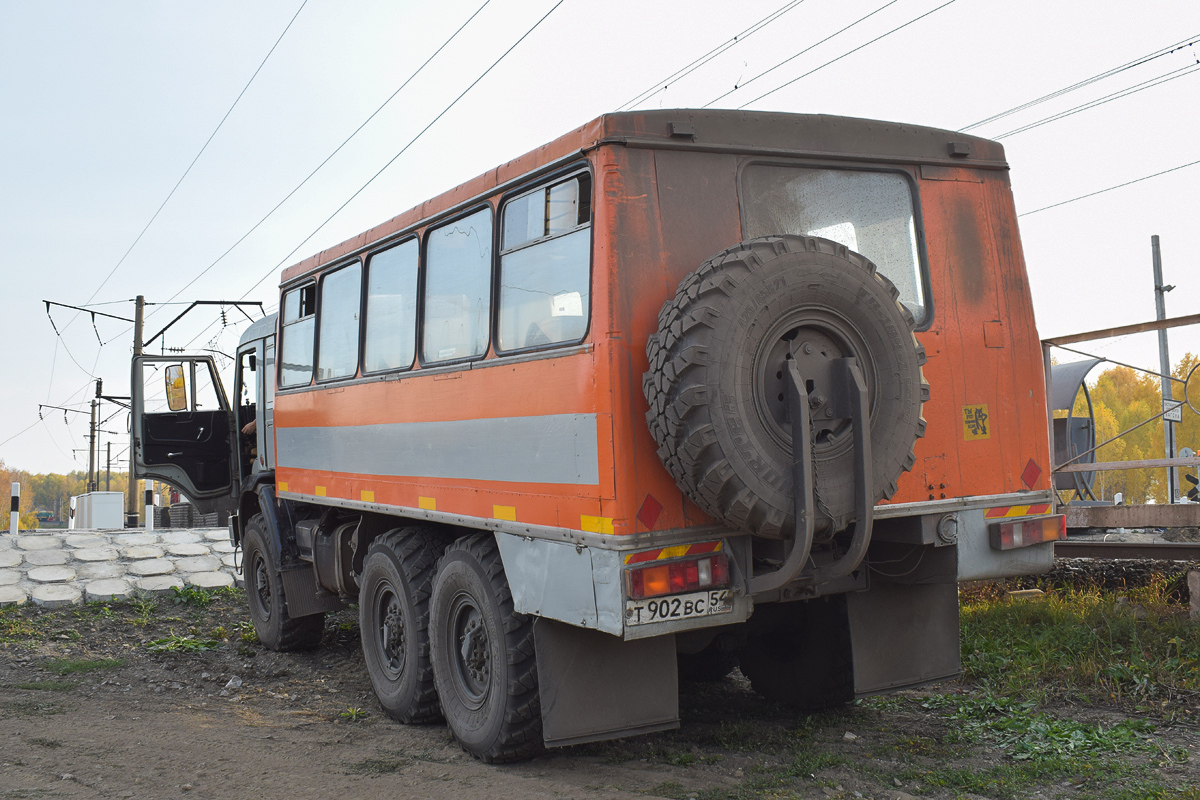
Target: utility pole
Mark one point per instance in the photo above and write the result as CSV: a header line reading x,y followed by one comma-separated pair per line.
x,y
1164,363
108,469
139,312
93,481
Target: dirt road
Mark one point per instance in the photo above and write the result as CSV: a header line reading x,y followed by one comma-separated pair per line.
x,y
174,698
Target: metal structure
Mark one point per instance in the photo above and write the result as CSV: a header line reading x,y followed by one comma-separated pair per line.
x,y
1074,437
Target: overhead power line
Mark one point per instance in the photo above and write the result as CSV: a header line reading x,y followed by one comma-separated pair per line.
x,y
1110,188
850,52
1087,81
793,57
336,150
197,158
405,148
662,85
1137,87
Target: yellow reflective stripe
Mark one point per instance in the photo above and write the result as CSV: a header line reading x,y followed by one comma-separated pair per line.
x,y
320,491
596,524
427,503
368,496
674,552
282,486
505,512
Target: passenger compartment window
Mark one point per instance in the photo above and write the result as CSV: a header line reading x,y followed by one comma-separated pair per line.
x,y
298,326
458,278
391,338
341,296
545,266
869,212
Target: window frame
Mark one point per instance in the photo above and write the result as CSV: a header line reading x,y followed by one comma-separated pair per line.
x,y
423,277
362,342
545,182
281,337
914,192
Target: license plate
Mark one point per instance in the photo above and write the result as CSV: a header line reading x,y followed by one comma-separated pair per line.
x,y
680,606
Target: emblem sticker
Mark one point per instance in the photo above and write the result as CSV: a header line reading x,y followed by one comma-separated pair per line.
x,y
976,424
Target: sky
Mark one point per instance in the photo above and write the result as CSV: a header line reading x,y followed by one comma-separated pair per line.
x,y
105,106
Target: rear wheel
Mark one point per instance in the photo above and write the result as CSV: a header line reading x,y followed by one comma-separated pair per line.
x,y
276,629
483,655
394,621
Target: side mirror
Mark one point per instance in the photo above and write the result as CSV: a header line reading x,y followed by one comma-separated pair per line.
x,y
176,388
253,362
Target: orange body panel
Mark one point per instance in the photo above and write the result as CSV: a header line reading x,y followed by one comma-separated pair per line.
x,y
657,214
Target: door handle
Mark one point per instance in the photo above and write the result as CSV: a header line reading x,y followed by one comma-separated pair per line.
x,y
201,433
172,455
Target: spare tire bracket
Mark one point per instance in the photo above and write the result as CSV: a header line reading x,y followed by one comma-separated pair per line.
x,y
849,400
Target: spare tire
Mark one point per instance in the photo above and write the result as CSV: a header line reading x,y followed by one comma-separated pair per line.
x,y
716,379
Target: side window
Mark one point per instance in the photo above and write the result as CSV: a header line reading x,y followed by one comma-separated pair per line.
x,y
545,266
391,338
298,326
457,303
341,296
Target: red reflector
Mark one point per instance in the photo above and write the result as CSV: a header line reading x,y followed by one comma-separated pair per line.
x,y
685,575
1026,532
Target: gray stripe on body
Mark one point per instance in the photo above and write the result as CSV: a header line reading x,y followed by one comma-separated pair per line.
x,y
557,448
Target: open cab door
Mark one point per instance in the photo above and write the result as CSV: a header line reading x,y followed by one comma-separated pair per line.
x,y
183,428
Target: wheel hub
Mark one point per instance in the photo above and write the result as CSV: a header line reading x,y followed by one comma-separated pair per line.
x,y
813,347
473,651
262,586
391,633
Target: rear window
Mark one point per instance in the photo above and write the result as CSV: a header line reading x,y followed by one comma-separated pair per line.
x,y
869,212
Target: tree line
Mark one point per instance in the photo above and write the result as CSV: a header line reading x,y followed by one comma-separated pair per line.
x,y
1123,397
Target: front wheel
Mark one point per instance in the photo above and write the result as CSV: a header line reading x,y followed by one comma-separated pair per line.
x,y
483,655
276,629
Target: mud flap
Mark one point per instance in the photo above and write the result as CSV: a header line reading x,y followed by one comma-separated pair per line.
x,y
595,686
903,635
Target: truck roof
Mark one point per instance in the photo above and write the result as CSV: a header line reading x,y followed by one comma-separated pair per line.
x,y
748,132
259,329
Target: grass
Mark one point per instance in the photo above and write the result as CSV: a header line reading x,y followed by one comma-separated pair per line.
x,y
174,643
1135,647
67,666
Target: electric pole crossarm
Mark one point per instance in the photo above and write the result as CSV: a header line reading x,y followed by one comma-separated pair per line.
x,y
237,303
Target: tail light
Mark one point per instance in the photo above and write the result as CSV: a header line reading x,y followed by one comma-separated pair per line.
x,y
685,575
1026,532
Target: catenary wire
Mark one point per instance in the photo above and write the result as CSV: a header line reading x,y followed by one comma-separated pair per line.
x,y
850,52
197,158
662,85
1126,92
405,148
797,55
336,150
1109,189
1087,81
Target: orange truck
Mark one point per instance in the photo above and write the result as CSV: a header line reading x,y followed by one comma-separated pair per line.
x,y
676,392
